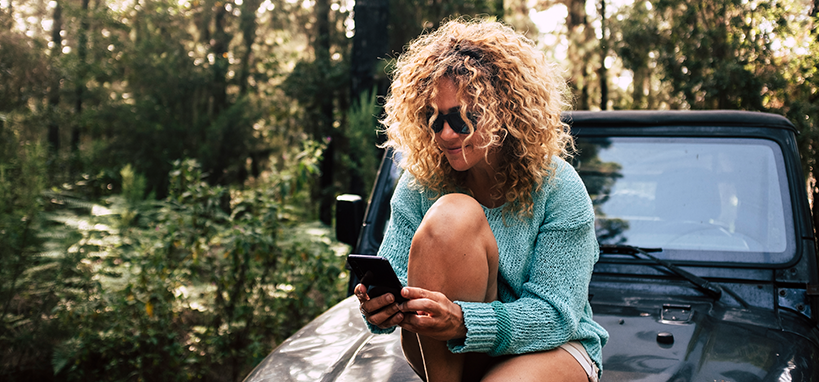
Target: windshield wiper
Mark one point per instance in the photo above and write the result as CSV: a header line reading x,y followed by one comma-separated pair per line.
x,y
715,291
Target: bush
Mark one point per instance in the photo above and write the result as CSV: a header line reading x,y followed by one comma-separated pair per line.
x,y
198,286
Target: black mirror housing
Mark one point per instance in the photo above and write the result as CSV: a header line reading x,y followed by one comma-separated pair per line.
x,y
349,217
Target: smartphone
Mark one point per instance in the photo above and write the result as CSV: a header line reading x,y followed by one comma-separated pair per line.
x,y
376,273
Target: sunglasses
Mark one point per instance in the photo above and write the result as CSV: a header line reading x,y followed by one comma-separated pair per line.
x,y
456,123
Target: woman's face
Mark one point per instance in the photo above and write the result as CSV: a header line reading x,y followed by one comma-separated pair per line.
x,y
460,158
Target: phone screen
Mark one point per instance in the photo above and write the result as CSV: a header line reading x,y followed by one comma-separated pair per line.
x,y
377,274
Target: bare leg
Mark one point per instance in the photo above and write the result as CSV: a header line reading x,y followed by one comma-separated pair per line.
x,y
555,365
453,252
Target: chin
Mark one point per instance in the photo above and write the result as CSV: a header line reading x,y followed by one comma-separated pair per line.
x,y
459,165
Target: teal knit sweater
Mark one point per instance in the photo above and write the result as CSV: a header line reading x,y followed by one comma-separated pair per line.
x,y
545,265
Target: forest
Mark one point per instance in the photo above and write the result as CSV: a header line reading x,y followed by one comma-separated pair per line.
x,y
168,169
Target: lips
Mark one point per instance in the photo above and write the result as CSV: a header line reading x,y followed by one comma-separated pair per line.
x,y
455,149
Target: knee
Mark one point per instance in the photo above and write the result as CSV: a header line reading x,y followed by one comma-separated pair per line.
x,y
454,245
451,219
454,214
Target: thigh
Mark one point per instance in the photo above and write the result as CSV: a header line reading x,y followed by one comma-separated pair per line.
x,y
475,364
555,365
412,352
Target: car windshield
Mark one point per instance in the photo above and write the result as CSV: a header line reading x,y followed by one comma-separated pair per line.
x,y
699,199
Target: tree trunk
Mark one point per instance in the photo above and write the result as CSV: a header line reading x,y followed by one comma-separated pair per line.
x,y
604,52
580,33
219,44
219,47
371,42
54,90
324,101
82,53
815,195
8,19
247,23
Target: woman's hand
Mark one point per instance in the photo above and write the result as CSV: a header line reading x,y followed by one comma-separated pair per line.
x,y
437,317
380,311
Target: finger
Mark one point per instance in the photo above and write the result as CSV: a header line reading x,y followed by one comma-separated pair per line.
x,y
384,318
394,320
379,310
415,293
361,292
377,303
421,305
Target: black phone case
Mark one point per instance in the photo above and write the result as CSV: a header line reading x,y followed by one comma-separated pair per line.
x,y
376,273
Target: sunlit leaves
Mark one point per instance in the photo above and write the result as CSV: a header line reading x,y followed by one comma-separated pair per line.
x,y
202,281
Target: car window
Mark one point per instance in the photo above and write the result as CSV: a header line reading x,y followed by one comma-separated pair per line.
x,y
708,199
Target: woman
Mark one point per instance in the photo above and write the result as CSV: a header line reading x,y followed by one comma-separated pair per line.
x,y
491,231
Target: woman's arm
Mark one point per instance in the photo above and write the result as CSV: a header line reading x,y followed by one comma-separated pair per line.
x,y
407,207
552,307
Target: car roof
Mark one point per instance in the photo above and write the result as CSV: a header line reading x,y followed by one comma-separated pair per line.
x,y
647,118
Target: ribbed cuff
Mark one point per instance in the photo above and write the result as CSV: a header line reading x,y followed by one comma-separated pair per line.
x,y
481,328
376,330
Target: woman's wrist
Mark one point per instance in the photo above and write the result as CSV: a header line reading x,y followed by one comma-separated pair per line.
x,y
460,322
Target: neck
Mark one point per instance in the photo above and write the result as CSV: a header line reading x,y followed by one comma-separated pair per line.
x,y
480,180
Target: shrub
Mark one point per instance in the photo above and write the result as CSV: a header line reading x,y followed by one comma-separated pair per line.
x,y
198,286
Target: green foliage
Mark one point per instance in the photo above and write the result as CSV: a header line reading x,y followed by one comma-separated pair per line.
x,y
712,55
198,286
410,18
362,157
27,285
113,270
22,70
194,287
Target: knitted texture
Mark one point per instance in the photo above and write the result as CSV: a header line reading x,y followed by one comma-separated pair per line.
x,y
545,265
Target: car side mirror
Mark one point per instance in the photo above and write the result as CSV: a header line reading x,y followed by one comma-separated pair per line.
x,y
349,217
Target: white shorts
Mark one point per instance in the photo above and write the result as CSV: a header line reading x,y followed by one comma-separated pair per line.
x,y
579,353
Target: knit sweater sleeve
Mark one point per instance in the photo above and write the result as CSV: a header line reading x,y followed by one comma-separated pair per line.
x,y
407,211
553,300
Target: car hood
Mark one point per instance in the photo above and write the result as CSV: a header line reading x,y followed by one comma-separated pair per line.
x,y
650,341
694,339
336,346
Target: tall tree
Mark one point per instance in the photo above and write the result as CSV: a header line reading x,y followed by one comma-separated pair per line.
x,y
248,26
410,18
367,69
370,44
82,69
54,89
581,52
324,101
604,52
637,23
706,59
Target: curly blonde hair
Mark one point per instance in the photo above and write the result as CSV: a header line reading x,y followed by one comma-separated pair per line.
x,y
501,76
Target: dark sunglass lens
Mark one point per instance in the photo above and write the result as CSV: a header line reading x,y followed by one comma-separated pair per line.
x,y
438,124
457,124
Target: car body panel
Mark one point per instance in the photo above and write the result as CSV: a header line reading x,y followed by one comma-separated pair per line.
x,y
662,327
336,346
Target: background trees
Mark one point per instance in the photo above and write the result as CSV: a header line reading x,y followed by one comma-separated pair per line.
x,y
163,163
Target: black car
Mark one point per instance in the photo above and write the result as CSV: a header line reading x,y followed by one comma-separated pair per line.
x,y
707,267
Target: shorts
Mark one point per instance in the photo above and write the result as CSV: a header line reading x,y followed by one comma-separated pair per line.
x,y
579,353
